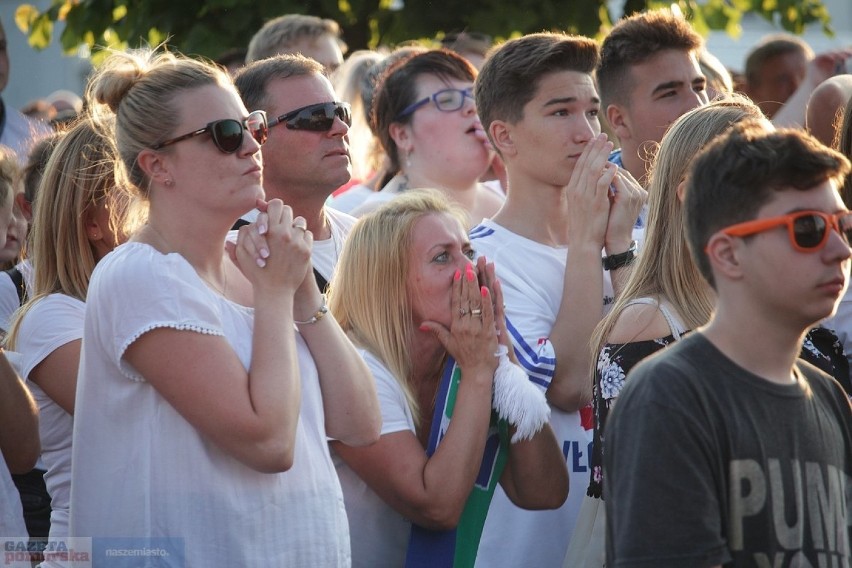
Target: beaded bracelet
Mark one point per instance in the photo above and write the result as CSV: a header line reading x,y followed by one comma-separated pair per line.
x,y
318,315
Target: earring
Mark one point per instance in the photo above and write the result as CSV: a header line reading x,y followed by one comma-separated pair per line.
x,y
408,159
169,182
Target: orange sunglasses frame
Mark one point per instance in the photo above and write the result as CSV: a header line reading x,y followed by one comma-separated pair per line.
x,y
832,221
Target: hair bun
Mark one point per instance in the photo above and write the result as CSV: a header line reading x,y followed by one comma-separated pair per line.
x,y
118,74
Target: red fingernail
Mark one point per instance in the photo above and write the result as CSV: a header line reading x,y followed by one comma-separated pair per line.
x,y
457,275
484,291
424,328
470,274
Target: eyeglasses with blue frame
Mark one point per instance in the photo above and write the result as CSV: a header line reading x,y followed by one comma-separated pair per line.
x,y
446,100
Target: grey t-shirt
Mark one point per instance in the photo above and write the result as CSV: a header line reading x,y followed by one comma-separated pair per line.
x,y
709,464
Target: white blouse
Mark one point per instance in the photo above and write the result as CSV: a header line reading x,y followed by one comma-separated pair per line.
x,y
140,470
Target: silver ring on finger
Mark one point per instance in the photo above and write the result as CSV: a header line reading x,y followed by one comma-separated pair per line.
x,y
300,224
476,312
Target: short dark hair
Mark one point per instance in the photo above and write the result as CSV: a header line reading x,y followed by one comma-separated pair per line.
x,y
735,175
510,76
396,89
635,40
253,79
770,47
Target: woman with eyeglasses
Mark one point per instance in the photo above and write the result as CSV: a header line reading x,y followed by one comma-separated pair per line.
x,y
202,412
425,117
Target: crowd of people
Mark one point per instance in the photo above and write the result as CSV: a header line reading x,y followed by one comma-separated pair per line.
x,y
290,308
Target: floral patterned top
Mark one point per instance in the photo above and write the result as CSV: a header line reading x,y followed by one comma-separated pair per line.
x,y
614,362
824,350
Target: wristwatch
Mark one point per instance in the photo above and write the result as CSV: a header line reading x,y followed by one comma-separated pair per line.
x,y
615,261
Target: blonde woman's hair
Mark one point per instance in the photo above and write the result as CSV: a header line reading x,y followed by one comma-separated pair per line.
x,y
844,144
139,88
369,295
78,179
665,269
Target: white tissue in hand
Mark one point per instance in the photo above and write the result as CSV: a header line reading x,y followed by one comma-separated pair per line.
x,y
517,400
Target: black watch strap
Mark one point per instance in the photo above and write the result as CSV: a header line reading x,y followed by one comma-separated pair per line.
x,y
615,261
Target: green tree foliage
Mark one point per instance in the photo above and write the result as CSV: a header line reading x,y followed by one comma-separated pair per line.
x,y
211,27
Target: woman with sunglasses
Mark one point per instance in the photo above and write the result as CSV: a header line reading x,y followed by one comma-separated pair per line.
x,y
424,114
201,422
664,298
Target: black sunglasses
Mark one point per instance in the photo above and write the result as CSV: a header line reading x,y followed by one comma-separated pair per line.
x,y
318,117
227,134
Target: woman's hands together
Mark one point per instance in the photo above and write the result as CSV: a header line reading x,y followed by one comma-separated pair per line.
x,y
275,250
487,276
472,337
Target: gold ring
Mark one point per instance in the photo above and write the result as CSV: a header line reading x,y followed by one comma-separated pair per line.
x,y
476,312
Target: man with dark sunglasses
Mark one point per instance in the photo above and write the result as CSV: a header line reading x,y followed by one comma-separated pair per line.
x,y
306,154
752,446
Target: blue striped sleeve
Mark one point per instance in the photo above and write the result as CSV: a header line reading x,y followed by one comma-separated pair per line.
x,y
539,362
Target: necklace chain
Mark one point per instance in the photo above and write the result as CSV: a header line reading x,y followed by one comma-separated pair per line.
x,y
170,248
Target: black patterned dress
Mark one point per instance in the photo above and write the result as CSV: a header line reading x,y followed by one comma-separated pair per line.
x,y
614,362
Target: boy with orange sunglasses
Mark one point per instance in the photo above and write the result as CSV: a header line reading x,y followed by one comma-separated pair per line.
x,y
754,446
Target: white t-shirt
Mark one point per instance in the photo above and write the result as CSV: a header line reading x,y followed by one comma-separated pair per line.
x,y
532,276
378,533
49,324
141,470
351,199
374,200
326,253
